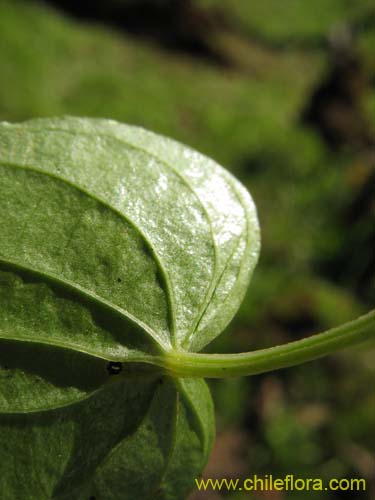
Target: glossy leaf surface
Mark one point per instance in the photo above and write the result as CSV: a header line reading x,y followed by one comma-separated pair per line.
x,y
116,245
131,221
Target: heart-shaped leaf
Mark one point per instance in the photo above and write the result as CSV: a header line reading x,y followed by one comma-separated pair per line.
x,y
116,245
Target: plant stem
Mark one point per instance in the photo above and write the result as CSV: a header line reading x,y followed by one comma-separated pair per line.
x,y
189,364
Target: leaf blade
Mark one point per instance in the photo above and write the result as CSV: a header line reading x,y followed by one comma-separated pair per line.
x,y
229,207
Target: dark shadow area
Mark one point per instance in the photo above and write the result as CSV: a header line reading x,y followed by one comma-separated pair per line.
x,y
177,25
60,367
354,264
89,431
335,108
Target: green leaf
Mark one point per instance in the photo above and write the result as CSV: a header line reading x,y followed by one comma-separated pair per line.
x,y
135,438
133,224
167,451
117,245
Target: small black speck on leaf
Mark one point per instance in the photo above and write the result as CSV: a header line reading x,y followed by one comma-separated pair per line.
x,y
114,367
119,280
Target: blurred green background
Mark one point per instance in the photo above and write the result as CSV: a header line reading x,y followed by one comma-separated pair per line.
x,y
282,94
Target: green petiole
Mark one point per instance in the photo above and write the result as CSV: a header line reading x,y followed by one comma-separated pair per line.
x,y
189,364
